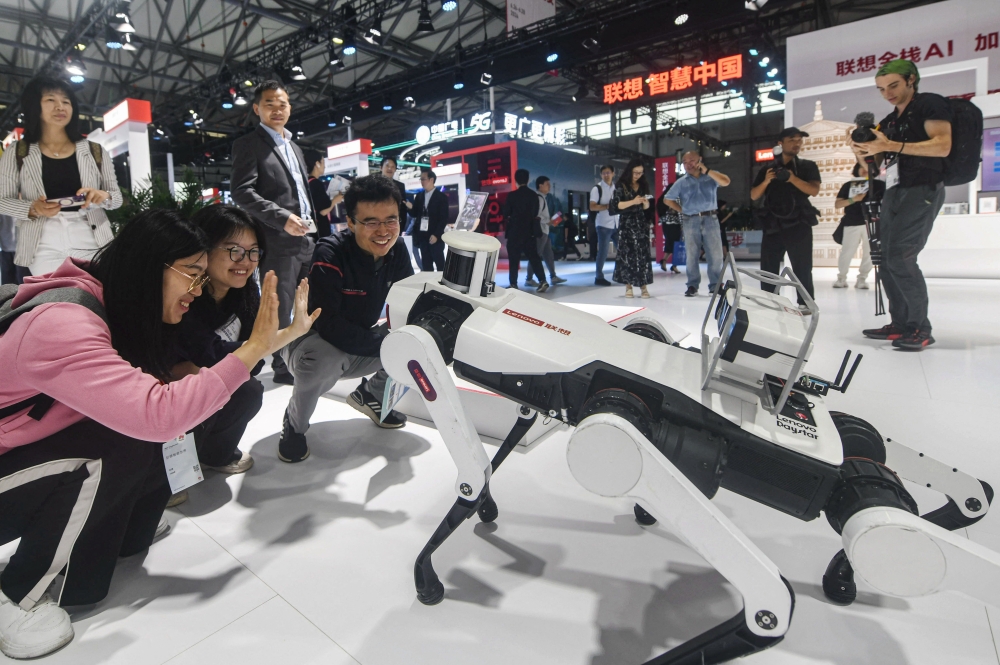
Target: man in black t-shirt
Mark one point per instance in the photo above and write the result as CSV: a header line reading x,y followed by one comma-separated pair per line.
x,y
788,216
913,140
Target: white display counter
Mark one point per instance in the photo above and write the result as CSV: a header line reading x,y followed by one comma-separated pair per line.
x,y
963,246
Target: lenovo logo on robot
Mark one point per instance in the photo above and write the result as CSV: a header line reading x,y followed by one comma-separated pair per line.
x,y
536,322
797,428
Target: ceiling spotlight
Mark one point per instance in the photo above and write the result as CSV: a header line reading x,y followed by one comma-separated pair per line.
x,y
486,79
130,42
753,51
75,66
459,81
725,83
773,73
112,38
239,98
581,93
248,83
346,120
754,5
529,108
387,107
337,39
449,5
81,45
298,74
121,21
335,60
408,102
424,18
374,34
331,124
226,101
364,105
551,57
349,46
77,78
681,19
592,45
763,61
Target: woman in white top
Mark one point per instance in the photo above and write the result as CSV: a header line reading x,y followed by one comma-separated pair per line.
x,y
54,161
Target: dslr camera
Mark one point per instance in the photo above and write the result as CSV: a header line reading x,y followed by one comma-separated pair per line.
x,y
865,122
781,174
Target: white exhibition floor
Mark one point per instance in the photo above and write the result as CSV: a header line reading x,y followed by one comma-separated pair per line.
x,y
313,562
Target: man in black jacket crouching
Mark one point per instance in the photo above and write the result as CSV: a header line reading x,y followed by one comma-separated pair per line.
x,y
350,277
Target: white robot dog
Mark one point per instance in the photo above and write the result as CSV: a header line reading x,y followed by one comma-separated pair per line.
x,y
668,426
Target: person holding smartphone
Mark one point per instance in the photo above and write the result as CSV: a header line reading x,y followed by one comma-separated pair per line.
x,y
695,197
270,181
631,200
55,182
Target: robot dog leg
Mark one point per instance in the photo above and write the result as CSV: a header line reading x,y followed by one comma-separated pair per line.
x,y
610,457
411,356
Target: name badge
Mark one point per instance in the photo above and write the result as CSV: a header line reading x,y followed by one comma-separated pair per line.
x,y
892,175
858,188
180,457
390,398
425,223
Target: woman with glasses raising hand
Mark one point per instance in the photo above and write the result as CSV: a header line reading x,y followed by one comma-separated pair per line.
x,y
218,322
350,278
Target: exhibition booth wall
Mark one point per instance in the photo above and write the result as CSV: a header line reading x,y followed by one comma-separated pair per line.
x,y
831,79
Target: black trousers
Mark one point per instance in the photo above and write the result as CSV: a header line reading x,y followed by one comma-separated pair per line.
x,y
571,232
218,437
797,242
527,248
78,500
672,233
10,273
290,266
592,237
431,255
908,215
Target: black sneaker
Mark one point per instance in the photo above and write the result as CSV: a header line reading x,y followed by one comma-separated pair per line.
x,y
292,446
888,331
600,281
914,340
284,378
362,400
691,291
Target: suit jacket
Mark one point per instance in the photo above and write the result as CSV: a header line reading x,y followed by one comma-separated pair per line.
x,y
403,210
437,210
520,211
263,186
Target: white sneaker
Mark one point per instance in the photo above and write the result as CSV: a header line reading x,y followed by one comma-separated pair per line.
x,y
162,529
861,284
841,283
37,632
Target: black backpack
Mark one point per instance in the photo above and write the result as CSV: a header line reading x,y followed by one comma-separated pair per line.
x,y
962,163
40,403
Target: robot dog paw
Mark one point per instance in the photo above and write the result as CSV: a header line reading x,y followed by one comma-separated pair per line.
x,y
642,517
838,581
488,510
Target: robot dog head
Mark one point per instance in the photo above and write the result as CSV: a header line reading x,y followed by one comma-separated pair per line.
x,y
471,263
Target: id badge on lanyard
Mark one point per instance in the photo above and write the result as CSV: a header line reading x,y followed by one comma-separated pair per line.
x,y
892,174
425,223
180,457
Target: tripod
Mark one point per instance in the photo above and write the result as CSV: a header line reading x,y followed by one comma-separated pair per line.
x,y
872,211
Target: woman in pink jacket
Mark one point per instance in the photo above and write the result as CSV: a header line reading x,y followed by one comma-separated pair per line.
x,y
83,481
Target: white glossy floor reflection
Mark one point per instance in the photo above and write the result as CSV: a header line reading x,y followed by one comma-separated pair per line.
x,y
313,562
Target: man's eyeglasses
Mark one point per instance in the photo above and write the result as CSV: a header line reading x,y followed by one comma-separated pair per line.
x,y
196,281
391,224
237,253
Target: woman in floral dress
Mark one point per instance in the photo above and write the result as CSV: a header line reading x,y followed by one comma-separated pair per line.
x,y
633,267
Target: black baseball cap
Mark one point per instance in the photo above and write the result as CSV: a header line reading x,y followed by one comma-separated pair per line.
x,y
788,132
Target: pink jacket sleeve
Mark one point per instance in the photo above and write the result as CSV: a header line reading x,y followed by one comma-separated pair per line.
x,y
67,355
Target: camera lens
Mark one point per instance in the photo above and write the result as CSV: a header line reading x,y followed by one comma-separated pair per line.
x,y
863,135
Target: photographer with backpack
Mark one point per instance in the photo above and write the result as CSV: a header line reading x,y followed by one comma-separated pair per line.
x,y
914,141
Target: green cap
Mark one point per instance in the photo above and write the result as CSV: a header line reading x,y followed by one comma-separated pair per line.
x,y
904,68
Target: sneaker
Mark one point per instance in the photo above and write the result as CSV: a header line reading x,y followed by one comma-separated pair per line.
x,y
284,378
530,282
914,340
35,632
292,446
841,283
543,287
177,499
362,400
558,280
889,331
691,291
162,528
600,281
805,310
861,284
241,463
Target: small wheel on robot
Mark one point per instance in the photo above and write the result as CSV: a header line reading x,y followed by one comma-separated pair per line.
x,y
642,517
488,511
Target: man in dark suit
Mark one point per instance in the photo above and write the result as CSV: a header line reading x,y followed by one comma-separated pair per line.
x,y
430,210
522,227
389,166
270,181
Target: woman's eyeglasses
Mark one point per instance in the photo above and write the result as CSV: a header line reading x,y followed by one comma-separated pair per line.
x,y
236,254
196,281
391,224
